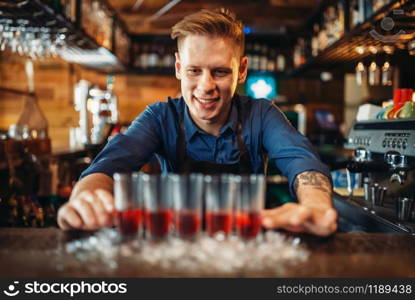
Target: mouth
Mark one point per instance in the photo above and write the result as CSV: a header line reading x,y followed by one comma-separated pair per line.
x,y
207,103
206,100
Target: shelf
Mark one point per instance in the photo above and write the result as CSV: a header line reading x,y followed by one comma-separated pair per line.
x,y
16,92
80,47
366,34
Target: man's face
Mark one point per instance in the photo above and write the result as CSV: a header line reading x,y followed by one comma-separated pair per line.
x,y
209,69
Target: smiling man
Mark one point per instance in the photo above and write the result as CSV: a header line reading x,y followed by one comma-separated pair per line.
x,y
211,130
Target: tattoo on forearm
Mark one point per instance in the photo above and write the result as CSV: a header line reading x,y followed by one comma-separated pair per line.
x,y
314,179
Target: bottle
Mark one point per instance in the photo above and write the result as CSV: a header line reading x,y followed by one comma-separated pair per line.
x,y
248,53
362,14
263,59
271,62
330,24
256,57
398,99
406,97
137,55
153,57
314,41
354,13
387,72
368,9
280,66
323,41
340,20
144,57
168,58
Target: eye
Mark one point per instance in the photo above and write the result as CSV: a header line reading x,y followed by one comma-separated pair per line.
x,y
221,73
193,71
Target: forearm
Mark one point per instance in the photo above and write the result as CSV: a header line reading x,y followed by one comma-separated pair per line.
x,y
93,182
313,189
314,213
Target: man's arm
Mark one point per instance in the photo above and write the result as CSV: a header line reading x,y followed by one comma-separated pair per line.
x,y
91,204
314,212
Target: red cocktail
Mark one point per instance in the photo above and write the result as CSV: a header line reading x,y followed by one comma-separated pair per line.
x,y
218,222
248,224
129,221
188,223
158,223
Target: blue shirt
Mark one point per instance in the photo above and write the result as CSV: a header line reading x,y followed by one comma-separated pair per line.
x,y
155,131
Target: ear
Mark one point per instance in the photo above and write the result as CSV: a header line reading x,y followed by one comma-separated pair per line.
x,y
177,65
243,69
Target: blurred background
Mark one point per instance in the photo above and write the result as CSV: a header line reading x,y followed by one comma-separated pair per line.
x,y
75,72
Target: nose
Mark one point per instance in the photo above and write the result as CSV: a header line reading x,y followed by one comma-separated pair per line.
x,y
206,83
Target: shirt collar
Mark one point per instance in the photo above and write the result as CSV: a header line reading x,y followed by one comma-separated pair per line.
x,y
191,129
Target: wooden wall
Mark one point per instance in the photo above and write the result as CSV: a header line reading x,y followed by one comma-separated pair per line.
x,y
54,83
55,80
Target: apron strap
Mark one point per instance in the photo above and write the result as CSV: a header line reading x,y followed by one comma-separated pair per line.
x,y
181,144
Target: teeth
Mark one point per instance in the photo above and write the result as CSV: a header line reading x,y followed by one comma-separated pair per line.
x,y
206,101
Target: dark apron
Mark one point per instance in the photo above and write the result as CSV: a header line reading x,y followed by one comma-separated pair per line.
x,y
187,164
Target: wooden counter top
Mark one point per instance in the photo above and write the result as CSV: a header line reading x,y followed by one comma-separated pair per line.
x,y
35,253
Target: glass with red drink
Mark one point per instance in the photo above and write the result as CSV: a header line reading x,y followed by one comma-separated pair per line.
x,y
187,191
158,205
220,196
249,203
128,203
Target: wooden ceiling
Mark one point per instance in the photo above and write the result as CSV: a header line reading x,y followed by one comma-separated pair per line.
x,y
263,16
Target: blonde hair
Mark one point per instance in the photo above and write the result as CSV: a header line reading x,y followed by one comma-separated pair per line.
x,y
218,22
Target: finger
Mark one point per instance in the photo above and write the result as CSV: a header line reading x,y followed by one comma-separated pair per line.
x,y
101,214
274,218
68,218
323,228
330,220
290,217
279,209
295,229
107,198
84,209
299,216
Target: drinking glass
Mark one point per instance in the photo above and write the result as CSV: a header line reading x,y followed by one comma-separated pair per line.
x,y
249,203
128,203
220,197
158,205
187,191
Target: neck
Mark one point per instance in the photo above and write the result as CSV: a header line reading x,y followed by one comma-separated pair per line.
x,y
213,127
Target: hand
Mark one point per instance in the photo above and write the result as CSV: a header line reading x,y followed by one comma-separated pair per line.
x,y
318,220
89,210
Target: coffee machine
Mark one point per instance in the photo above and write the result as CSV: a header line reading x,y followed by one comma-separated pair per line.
x,y
384,159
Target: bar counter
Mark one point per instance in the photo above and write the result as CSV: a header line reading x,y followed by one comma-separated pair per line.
x,y
35,253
